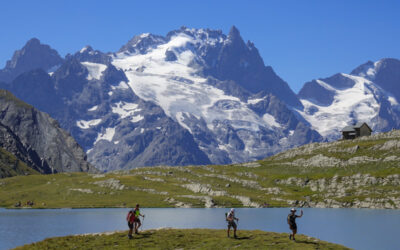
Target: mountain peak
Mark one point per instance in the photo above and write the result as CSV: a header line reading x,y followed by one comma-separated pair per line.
x,y
33,55
362,70
32,42
87,48
234,32
141,43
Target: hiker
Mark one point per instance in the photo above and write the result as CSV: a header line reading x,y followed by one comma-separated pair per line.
x,y
133,220
130,218
230,218
137,221
291,220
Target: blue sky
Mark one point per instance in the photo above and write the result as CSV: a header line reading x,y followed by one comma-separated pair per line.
x,y
301,40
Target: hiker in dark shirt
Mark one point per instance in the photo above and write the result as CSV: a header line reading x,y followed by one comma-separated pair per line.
x,y
230,218
291,220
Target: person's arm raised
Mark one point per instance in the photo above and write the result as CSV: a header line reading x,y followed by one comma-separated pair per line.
x,y
301,214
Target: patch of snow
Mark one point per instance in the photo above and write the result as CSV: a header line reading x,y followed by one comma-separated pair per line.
x,y
392,100
121,85
254,101
269,119
95,70
83,49
136,118
107,135
125,110
94,108
326,85
53,69
181,119
87,124
222,147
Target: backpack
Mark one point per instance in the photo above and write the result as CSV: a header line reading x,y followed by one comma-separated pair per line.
x,y
129,216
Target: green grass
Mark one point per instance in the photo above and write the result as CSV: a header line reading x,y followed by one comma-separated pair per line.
x,y
184,239
163,186
11,166
8,96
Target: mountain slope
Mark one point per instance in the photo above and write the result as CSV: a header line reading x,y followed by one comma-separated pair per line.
x,y
36,139
369,94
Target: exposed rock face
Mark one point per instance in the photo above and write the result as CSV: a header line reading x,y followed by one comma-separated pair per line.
x,y
33,55
12,143
235,60
37,139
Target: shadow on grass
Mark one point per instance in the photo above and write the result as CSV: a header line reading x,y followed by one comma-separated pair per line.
x,y
243,238
142,235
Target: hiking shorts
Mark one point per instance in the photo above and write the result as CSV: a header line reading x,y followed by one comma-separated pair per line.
x,y
136,220
293,226
130,225
232,224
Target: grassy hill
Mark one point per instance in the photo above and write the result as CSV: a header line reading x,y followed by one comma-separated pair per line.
x,y
357,173
11,166
184,239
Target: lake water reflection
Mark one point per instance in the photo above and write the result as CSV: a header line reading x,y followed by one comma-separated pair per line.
x,y
355,228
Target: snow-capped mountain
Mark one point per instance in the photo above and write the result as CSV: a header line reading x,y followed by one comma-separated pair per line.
x,y
369,94
187,74
195,96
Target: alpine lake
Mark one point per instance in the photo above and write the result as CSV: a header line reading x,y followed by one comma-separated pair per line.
x,y
354,228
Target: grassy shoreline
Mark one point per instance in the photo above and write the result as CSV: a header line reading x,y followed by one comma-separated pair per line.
x,y
183,239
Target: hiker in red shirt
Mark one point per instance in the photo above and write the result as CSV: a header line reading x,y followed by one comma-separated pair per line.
x,y
133,220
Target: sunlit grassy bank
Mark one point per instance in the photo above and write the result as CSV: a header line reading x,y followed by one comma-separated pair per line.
x,y
184,239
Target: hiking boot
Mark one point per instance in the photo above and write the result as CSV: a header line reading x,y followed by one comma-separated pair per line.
x,y
130,236
235,236
290,236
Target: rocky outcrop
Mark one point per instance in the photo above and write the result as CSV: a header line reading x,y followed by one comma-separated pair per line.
x,y
37,139
330,191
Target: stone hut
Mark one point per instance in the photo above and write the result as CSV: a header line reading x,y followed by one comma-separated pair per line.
x,y
357,130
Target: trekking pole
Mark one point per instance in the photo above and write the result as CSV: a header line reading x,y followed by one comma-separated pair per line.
x,y
142,223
